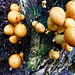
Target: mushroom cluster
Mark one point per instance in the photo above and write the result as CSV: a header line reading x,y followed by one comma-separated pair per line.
x,y
44,4
16,29
63,24
54,54
39,27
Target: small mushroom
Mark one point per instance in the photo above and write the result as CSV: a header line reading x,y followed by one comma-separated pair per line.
x,y
61,29
14,17
13,39
14,7
22,17
40,28
20,30
44,2
34,23
59,39
50,54
9,29
68,48
44,6
69,22
54,54
15,61
21,54
51,25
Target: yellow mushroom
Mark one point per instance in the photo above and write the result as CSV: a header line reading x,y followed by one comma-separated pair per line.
x,y
14,17
14,7
68,48
40,28
15,61
69,22
9,29
51,25
34,23
13,39
22,17
61,29
70,8
20,30
57,16
54,54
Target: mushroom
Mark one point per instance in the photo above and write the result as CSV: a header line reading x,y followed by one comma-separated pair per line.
x,y
34,23
69,22
21,54
40,28
22,17
68,37
44,2
15,61
50,54
57,15
44,6
61,29
51,25
9,29
54,54
70,8
14,17
59,39
14,7
68,48
20,30
13,39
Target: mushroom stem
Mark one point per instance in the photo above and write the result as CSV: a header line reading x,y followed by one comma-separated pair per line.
x,y
59,39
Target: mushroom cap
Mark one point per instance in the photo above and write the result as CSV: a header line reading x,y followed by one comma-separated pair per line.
x,y
51,25
34,23
20,30
57,15
55,55
14,17
13,39
69,22
14,7
68,48
15,61
70,36
9,29
61,29
59,39
22,17
40,28
70,8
